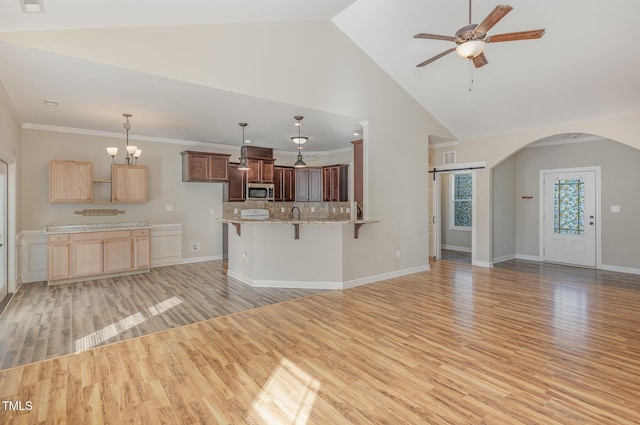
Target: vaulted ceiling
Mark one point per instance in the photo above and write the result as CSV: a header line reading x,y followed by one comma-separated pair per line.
x,y
585,67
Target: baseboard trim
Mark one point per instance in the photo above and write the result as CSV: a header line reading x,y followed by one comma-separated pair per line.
x,y
456,248
326,285
503,258
620,269
528,257
485,264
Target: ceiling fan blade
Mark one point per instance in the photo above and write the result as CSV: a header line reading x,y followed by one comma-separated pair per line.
x,y
515,36
435,37
480,60
494,17
436,57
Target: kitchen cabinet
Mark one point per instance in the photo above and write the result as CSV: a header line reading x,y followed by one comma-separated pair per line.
x,y
237,180
260,170
70,182
335,186
141,245
204,167
58,257
74,256
129,183
358,172
308,185
284,179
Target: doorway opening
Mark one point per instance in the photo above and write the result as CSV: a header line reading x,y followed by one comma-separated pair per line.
x,y
5,296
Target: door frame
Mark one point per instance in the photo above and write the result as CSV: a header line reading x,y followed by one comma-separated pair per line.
x,y
598,241
437,207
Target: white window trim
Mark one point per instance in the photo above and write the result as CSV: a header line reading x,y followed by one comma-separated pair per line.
x,y
452,211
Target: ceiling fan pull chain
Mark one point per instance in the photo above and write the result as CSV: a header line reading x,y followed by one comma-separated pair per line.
x,y
470,74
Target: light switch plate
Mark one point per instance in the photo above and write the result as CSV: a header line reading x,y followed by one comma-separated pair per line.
x,y
615,208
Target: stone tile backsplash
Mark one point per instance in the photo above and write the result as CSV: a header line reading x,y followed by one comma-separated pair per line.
x,y
321,210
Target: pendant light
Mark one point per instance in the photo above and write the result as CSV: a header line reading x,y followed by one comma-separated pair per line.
x,y
243,151
133,153
299,140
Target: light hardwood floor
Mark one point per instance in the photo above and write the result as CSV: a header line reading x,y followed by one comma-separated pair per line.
x,y
454,345
45,322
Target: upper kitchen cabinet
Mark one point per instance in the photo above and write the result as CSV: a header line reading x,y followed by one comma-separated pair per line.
x,y
237,180
335,187
205,167
70,182
129,183
284,180
260,170
309,185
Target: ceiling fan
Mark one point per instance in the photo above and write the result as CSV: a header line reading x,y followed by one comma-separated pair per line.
x,y
471,39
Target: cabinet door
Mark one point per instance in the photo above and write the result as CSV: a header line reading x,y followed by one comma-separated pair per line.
x,y
58,261
267,171
86,257
194,167
289,185
129,184
327,177
141,252
70,182
302,185
218,168
278,184
117,254
315,185
254,174
236,183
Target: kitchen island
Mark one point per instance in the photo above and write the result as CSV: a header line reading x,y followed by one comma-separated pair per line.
x,y
290,253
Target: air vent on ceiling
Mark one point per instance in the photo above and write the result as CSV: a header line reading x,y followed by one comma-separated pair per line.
x,y
450,157
32,6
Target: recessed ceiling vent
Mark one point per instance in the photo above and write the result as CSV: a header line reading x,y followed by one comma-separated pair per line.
x,y
32,6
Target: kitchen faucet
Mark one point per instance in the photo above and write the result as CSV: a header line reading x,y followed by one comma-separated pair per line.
x,y
295,208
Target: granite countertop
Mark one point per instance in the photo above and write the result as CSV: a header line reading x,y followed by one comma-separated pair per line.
x,y
301,221
52,229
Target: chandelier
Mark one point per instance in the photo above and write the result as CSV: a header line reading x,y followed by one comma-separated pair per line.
x,y
133,153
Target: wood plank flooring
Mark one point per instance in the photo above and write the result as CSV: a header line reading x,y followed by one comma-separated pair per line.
x,y
44,322
454,345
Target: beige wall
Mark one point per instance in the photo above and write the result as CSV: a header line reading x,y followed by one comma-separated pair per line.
x,y
504,203
495,149
331,75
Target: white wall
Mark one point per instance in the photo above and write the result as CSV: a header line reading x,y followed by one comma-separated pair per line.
x,y
10,152
331,74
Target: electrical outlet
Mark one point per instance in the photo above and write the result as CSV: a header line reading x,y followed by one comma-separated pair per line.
x,y
235,211
281,209
342,209
348,210
168,207
313,209
195,247
615,208
397,253
211,211
334,209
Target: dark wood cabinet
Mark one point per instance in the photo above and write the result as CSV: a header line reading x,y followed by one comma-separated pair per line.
x,y
358,173
284,179
260,170
308,185
335,186
237,180
204,167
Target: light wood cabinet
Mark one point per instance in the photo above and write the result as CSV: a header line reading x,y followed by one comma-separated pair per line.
x,y
335,186
70,182
309,185
204,167
141,245
129,184
58,257
72,257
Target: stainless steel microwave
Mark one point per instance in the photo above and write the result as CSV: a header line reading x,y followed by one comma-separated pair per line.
x,y
260,192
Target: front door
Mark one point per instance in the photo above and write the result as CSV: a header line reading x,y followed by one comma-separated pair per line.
x,y
569,217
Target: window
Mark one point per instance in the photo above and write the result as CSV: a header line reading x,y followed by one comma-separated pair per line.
x,y
568,207
461,201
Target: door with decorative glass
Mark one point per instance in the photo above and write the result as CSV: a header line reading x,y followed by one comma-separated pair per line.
x,y
569,217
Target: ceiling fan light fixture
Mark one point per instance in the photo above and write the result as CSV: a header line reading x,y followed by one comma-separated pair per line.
x,y
470,49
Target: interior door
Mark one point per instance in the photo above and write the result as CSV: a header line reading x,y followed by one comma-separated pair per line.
x,y
569,217
3,230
